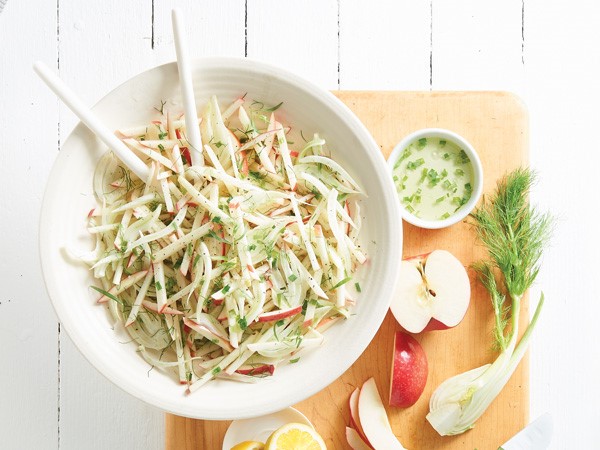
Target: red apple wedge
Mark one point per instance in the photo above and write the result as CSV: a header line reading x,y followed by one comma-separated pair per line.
x,y
409,371
354,418
374,419
433,292
279,314
355,440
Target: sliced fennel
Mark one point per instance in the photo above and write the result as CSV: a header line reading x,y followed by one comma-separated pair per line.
x,y
515,235
230,268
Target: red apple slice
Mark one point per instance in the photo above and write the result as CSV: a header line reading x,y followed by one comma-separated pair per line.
x,y
374,419
354,418
355,441
433,292
257,370
409,371
279,314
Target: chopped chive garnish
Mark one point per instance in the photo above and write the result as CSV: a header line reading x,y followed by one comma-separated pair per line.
x,y
440,199
274,108
226,289
446,156
341,283
107,294
216,370
158,286
242,323
410,209
462,157
423,175
292,277
357,286
468,187
445,215
412,165
442,142
433,176
459,172
304,307
444,173
458,201
395,178
422,143
295,360
405,154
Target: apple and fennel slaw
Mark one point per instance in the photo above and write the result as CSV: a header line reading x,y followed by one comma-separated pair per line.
x,y
227,268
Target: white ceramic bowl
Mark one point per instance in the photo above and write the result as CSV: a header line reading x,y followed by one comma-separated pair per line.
x,y
477,175
69,197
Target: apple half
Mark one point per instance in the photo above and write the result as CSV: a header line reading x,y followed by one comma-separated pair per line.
x,y
433,292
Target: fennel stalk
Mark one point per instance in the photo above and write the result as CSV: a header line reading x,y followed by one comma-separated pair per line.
x,y
514,234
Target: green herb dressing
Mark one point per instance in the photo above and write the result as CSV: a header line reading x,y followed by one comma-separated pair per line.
x,y
433,178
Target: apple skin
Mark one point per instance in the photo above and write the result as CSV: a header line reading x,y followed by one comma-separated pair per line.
x,y
354,417
264,369
278,315
409,371
421,257
435,325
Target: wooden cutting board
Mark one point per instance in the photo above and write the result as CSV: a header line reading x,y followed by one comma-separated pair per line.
x,y
496,124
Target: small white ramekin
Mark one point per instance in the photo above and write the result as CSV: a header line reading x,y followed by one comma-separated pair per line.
x,y
477,175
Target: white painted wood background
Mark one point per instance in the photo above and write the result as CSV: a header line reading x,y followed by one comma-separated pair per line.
x,y
545,51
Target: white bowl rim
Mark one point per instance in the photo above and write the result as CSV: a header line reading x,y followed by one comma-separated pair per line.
x,y
388,279
477,174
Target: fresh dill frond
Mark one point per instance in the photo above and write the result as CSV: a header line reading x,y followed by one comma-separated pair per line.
x,y
486,276
514,233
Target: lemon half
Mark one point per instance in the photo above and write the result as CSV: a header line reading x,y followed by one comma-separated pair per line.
x,y
295,436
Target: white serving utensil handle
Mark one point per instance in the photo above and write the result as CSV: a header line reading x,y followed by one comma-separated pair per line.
x,y
187,90
87,116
